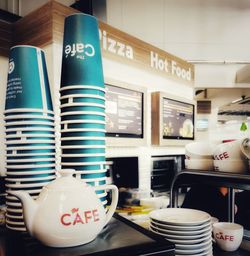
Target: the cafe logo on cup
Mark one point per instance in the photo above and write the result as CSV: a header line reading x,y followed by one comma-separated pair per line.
x,y
221,156
11,66
75,216
79,50
221,236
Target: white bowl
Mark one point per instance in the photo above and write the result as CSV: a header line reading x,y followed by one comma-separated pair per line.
x,y
199,150
229,151
154,202
232,166
199,164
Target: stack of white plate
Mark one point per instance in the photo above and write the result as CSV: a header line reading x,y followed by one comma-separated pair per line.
x,y
190,230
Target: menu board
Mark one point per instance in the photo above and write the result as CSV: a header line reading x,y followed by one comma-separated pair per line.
x,y
178,119
124,112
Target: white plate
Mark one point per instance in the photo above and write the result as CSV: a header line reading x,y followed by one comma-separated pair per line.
x,y
180,238
194,252
181,228
189,242
183,233
180,216
208,252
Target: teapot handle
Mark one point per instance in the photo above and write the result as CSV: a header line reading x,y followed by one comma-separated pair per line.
x,y
114,202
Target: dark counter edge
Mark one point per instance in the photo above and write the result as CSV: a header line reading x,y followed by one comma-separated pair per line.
x,y
161,245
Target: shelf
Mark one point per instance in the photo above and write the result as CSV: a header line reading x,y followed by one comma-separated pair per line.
x,y
188,178
230,180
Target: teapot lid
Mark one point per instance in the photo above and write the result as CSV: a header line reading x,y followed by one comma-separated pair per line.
x,y
66,181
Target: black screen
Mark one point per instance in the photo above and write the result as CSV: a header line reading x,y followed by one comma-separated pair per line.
x,y
178,120
124,112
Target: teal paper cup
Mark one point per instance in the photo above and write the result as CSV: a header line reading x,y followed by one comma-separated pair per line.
x,y
79,117
38,150
81,62
28,130
82,98
27,145
28,111
79,160
80,90
77,142
84,133
28,84
92,176
29,173
82,126
83,108
87,167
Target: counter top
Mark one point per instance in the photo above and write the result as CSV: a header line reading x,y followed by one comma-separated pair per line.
x,y
120,237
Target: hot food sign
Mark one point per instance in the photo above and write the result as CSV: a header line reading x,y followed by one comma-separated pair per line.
x,y
126,48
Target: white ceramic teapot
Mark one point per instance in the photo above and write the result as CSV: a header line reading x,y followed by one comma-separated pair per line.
x,y
67,211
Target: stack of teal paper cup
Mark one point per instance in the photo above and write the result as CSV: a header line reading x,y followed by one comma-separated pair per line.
x,y
83,102
30,130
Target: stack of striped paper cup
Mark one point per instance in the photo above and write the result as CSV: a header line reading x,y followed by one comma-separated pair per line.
x,y
30,133
83,102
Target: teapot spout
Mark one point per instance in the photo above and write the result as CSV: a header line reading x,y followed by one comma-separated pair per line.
x,y
29,207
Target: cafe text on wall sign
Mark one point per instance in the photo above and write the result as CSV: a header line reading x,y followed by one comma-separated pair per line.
x,y
123,47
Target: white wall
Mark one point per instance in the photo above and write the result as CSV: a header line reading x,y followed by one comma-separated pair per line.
x,y
195,30
222,131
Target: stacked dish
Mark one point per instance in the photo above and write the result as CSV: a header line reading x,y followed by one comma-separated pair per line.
x,y
232,156
30,133
83,102
190,230
199,156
